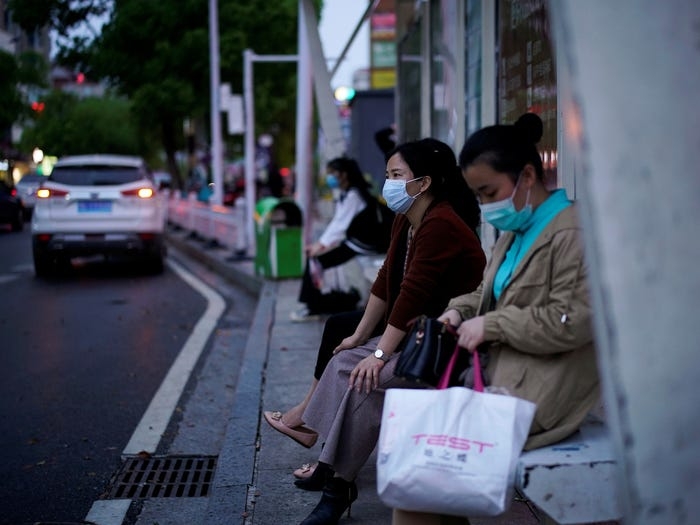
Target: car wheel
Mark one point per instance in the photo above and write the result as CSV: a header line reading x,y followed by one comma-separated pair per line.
x,y
43,265
18,223
154,264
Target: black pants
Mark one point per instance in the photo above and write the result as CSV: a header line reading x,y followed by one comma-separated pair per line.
x,y
337,328
336,301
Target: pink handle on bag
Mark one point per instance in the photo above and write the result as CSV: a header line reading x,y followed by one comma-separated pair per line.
x,y
476,364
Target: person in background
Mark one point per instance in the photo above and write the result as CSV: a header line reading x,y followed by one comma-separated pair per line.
x,y
352,196
531,315
433,252
385,138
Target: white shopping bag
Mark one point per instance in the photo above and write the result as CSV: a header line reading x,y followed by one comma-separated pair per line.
x,y
450,451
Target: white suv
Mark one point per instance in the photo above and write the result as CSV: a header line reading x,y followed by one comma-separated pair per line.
x,y
97,204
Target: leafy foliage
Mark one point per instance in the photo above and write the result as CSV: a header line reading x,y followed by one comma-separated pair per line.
x,y
28,69
61,15
12,105
70,126
156,53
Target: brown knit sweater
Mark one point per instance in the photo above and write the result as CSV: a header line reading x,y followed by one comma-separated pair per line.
x,y
444,260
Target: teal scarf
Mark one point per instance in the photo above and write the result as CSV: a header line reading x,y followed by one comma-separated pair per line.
x,y
524,239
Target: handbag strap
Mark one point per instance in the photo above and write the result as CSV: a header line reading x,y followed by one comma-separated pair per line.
x,y
476,364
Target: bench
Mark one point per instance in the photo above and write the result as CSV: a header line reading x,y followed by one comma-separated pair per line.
x,y
575,480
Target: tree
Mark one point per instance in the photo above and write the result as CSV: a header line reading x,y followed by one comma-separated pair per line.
x,y
170,81
157,55
12,106
72,126
22,75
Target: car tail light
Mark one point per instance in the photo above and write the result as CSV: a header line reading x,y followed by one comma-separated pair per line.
x,y
43,237
143,193
45,193
147,236
13,192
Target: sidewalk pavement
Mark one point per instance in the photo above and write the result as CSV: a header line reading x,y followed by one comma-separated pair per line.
x,y
253,483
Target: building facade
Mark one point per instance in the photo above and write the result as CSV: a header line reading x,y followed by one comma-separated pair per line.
x,y
465,64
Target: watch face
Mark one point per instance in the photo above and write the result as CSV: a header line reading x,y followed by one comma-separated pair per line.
x,y
379,354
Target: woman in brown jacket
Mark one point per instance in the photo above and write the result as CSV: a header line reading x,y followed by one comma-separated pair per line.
x,y
531,314
432,254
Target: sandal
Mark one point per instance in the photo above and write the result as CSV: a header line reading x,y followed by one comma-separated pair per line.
x,y
301,434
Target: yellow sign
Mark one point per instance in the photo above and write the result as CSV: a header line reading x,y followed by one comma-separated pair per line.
x,y
383,78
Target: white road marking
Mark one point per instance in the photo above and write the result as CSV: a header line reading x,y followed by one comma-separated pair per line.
x,y
155,420
108,512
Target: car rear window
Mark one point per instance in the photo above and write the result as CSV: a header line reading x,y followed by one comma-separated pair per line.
x,y
95,175
31,179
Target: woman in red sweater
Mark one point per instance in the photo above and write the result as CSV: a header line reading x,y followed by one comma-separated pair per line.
x,y
433,255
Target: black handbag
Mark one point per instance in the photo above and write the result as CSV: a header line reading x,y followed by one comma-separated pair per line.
x,y
425,350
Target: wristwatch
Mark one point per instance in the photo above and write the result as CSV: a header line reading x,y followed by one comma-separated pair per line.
x,y
379,354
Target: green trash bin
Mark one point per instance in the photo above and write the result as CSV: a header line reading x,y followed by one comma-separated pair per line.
x,y
279,247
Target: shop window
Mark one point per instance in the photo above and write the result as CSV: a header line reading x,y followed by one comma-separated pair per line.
x,y
409,71
526,73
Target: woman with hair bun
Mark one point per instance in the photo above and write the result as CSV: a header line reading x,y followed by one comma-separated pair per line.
x,y
530,318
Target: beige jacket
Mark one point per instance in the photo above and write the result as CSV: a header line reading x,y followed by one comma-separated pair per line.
x,y
540,329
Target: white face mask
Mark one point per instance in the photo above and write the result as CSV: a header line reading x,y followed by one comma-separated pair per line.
x,y
397,198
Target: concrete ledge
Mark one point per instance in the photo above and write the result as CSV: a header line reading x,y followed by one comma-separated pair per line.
x,y
575,480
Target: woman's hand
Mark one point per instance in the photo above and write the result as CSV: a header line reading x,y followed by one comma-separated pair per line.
x,y
451,317
349,342
315,249
471,333
366,374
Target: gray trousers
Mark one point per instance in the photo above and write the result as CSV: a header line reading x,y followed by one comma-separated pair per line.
x,y
348,421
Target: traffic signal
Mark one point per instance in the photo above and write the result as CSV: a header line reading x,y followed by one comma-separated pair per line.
x,y
37,106
344,94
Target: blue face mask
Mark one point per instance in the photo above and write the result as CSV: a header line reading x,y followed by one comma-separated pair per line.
x,y
503,216
332,181
397,198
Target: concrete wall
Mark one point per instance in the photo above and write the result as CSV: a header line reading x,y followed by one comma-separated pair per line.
x,y
631,116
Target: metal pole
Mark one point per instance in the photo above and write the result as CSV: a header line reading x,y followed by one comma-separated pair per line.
x,y
249,149
216,145
370,8
304,172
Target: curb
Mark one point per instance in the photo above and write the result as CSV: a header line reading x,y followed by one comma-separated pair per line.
x,y
236,468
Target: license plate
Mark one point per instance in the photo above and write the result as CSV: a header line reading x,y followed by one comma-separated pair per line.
x,y
94,206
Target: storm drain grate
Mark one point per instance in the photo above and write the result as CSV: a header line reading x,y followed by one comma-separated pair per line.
x,y
164,477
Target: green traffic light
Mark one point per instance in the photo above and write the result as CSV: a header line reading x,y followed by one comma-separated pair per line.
x,y
344,93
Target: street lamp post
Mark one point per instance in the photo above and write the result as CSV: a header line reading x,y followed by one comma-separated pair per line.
x,y
216,142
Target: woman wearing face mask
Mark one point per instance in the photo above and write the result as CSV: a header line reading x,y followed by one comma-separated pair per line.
x,y
531,316
352,196
433,252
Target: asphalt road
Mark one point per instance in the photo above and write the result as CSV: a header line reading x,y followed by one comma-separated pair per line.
x,y
81,357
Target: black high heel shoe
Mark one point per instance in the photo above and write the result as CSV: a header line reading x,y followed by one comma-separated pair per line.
x,y
338,495
316,481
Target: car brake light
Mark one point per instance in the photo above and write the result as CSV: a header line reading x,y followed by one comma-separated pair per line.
x,y
44,237
143,193
13,192
45,193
